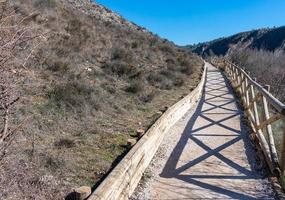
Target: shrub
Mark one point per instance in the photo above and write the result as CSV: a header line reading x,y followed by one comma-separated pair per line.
x,y
147,96
135,87
167,48
58,66
41,4
153,41
135,45
120,68
109,87
155,78
178,81
170,61
74,94
186,70
166,84
167,73
51,162
79,35
166,79
185,66
122,54
64,143
74,25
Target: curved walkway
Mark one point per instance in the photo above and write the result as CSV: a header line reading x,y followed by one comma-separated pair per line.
x,y
207,154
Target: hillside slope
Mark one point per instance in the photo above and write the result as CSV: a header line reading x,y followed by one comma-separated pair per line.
x,y
91,81
261,52
270,39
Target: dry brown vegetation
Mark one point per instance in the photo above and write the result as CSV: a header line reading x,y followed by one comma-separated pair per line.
x,y
90,82
16,45
267,67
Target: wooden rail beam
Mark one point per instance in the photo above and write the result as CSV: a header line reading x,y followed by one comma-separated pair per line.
x,y
269,120
279,106
244,85
253,100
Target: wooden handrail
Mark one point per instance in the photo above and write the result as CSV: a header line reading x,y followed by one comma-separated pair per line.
x,y
279,106
260,122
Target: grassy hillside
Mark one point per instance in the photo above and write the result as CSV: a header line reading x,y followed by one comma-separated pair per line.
x,y
92,80
262,39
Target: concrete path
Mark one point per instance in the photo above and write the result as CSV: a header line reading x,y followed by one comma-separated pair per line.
x,y
207,154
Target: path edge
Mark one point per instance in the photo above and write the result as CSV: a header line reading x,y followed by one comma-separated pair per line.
x,y
124,178
274,181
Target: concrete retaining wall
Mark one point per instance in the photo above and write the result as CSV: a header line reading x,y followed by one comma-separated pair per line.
x,y
124,178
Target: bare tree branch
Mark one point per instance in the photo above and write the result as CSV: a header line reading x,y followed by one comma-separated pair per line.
x,y
15,50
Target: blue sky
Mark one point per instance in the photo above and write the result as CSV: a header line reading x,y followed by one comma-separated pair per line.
x,y
192,21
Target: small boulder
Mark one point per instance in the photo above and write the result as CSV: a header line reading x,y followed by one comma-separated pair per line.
x,y
163,109
140,133
131,142
82,193
159,113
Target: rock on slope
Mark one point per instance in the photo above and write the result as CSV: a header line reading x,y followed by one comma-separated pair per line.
x,y
93,79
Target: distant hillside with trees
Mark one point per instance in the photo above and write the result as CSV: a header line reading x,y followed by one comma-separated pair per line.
x,y
261,52
269,39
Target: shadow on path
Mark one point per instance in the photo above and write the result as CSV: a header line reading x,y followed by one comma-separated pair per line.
x,y
216,98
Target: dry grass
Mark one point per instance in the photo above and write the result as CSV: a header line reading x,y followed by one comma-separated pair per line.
x,y
86,90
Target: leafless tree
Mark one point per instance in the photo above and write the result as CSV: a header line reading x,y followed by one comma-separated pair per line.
x,y
267,67
15,50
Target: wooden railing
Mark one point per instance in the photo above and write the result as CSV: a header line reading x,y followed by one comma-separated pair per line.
x,y
261,108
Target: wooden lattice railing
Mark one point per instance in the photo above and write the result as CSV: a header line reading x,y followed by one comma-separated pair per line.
x,y
262,110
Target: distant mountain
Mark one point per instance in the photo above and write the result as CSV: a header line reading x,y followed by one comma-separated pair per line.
x,y
269,39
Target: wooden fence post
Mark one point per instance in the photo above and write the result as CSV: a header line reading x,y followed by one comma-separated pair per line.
x,y
246,92
268,129
243,87
251,93
239,81
255,112
283,150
